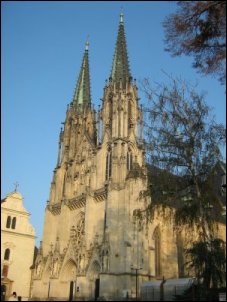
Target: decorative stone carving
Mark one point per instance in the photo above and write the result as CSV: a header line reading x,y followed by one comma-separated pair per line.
x,y
38,269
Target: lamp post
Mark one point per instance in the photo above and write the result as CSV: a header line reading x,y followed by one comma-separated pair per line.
x,y
136,269
48,294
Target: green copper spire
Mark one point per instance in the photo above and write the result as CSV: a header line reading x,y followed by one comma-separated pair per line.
x,y
82,95
120,67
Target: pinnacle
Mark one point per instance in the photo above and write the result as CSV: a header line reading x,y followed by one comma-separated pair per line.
x,y
82,95
120,68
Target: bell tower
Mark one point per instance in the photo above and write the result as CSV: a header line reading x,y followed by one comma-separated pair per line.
x,y
79,123
91,236
125,177
120,115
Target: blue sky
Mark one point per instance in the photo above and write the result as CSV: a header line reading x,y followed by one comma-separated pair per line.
x,y
42,48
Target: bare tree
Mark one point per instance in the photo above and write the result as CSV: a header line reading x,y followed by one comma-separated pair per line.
x,y
183,140
183,144
198,28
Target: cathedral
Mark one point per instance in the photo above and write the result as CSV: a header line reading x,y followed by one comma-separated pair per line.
x,y
93,243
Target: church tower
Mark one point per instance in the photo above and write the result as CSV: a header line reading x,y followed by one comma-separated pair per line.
x,y
93,242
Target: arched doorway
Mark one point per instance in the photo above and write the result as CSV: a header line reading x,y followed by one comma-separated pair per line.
x,y
6,288
68,276
94,272
3,292
97,285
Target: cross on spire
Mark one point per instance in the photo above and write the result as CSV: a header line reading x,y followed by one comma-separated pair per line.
x,y
16,184
121,15
87,43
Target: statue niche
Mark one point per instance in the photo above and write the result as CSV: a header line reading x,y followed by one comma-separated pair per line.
x,y
38,269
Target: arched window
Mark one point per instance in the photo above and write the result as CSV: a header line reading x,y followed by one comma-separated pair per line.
x,y
14,223
129,160
180,256
7,254
130,115
108,164
157,240
8,222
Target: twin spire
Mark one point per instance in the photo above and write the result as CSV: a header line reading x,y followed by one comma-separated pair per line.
x,y
120,70
82,95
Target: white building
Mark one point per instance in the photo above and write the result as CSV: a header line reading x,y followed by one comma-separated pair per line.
x,y
17,246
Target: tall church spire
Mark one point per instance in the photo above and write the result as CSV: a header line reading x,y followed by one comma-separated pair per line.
x,y
120,67
82,95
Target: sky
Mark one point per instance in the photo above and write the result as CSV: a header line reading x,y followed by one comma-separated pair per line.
x,y
42,48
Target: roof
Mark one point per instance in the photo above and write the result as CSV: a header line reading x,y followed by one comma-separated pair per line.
x,y
120,66
175,191
13,203
169,282
136,171
14,194
152,283
82,95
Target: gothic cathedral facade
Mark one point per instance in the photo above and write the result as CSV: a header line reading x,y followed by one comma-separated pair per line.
x,y
93,244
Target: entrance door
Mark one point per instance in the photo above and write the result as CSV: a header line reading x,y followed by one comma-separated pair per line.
x,y
3,292
71,291
97,283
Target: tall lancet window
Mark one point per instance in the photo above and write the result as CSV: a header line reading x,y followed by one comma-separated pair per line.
x,y
14,222
108,164
180,254
60,147
129,114
129,160
8,222
157,242
7,254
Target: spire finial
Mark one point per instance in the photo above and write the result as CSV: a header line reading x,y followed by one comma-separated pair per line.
x,y
82,95
121,15
87,43
120,65
16,184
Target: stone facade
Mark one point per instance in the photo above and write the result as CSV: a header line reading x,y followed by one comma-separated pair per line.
x,y
93,242
17,246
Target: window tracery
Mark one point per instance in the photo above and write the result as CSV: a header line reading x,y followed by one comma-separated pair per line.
x,y
77,236
108,164
157,239
129,160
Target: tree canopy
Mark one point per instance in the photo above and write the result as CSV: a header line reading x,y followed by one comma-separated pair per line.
x,y
208,260
182,139
198,28
183,147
